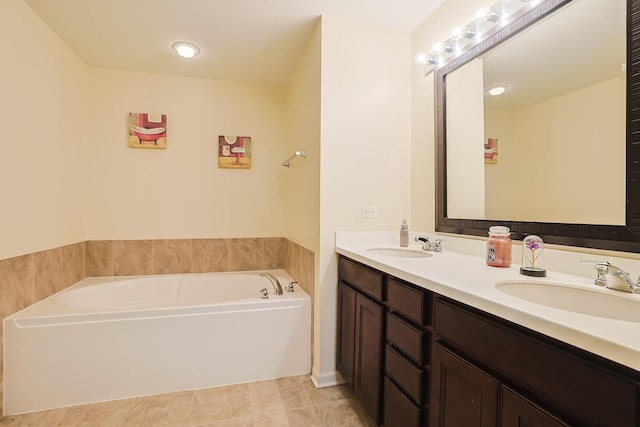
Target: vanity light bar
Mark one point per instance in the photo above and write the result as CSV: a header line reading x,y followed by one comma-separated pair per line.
x,y
461,37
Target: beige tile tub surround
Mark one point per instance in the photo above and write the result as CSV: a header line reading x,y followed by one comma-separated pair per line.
x,y
30,278
177,256
132,257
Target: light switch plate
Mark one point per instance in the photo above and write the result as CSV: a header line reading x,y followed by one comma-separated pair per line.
x,y
369,212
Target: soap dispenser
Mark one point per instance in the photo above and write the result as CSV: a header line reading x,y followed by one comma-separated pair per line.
x,y
404,234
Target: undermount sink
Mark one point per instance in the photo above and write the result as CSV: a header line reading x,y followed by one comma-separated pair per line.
x,y
597,302
400,252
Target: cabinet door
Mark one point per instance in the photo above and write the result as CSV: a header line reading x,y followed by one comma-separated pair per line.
x,y
346,332
461,394
368,355
520,412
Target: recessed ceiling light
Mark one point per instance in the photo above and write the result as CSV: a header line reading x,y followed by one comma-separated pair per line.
x,y
185,49
497,90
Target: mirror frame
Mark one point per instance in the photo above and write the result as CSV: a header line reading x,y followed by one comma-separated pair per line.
x,y
611,237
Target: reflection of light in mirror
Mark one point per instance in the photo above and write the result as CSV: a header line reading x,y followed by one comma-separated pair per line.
x,y
497,90
481,14
493,16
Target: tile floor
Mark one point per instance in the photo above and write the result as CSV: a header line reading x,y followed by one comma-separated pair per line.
x,y
292,401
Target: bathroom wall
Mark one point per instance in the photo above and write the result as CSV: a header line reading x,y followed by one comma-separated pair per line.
x,y
45,128
180,192
365,154
300,184
73,177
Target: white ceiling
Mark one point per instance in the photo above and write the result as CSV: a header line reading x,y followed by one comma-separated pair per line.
x,y
242,40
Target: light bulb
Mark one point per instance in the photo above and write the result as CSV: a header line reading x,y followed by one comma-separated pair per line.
x,y
456,33
185,49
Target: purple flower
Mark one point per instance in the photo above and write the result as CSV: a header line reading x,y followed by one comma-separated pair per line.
x,y
532,245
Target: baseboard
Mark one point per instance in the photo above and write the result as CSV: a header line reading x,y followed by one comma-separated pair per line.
x,y
328,379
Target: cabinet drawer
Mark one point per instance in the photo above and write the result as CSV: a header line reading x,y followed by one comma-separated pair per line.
x,y
560,377
399,411
363,278
410,340
405,374
413,303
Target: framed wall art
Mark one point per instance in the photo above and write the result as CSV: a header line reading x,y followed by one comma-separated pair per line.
x,y
234,152
147,130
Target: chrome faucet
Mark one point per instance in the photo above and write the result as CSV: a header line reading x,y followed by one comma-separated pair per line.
x,y
428,245
603,268
274,281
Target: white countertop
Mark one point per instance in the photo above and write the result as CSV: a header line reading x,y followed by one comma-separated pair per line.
x,y
468,279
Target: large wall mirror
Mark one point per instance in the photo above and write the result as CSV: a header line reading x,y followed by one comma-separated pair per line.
x,y
558,153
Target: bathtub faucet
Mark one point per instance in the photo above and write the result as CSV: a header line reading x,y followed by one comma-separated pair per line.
x,y
274,281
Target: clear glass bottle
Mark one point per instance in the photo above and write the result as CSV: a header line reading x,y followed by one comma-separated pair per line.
x,y
533,257
499,247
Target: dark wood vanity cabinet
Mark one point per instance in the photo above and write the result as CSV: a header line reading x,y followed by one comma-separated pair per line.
x,y
522,378
418,359
408,359
462,394
360,332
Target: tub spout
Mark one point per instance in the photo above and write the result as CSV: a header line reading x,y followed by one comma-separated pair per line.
x,y
274,281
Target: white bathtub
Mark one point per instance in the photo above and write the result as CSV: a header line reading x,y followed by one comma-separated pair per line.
x,y
120,337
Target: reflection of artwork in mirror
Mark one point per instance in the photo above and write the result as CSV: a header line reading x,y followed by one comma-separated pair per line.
x,y
491,151
564,111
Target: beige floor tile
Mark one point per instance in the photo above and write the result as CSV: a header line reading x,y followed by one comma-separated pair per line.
x,y
272,419
292,381
293,393
163,410
221,404
363,415
165,400
305,416
238,422
98,414
285,402
230,392
36,419
327,394
338,413
265,397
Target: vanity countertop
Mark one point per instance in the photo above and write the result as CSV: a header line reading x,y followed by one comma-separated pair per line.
x,y
468,279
